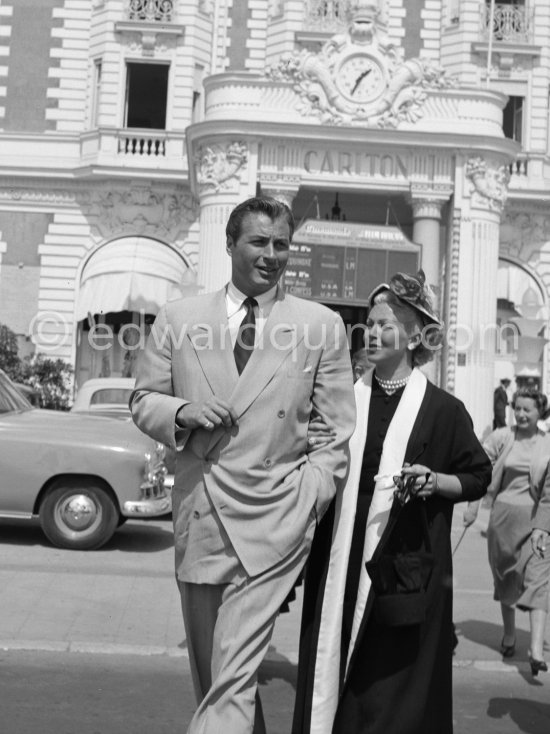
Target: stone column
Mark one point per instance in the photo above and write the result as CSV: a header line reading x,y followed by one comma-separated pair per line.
x,y
472,334
281,193
221,180
426,232
214,266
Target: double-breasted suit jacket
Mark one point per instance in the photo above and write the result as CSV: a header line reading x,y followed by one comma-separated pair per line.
x,y
264,483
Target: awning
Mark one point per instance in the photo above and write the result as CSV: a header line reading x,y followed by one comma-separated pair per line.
x,y
131,274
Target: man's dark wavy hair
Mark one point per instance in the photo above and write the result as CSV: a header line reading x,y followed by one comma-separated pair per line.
x,y
257,205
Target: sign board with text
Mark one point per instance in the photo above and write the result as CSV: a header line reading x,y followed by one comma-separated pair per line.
x,y
341,262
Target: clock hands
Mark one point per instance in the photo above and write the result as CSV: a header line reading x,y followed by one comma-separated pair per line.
x,y
360,79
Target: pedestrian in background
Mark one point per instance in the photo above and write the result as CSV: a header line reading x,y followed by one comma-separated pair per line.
x,y
519,523
500,403
231,379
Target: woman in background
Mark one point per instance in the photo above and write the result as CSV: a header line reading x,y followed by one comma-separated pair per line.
x,y
519,524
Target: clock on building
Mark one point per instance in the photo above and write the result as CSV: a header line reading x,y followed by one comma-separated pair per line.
x,y
360,78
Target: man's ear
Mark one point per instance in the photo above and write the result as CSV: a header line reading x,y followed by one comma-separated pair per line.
x,y
229,245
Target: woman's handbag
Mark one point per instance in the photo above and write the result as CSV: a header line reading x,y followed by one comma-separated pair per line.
x,y
399,579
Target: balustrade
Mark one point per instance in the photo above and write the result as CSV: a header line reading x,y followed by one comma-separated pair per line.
x,y
511,23
519,167
151,10
141,144
326,15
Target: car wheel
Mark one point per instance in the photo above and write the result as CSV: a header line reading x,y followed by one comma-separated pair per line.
x,y
79,515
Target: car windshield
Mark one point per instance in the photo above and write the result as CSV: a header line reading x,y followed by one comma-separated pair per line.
x,y
10,398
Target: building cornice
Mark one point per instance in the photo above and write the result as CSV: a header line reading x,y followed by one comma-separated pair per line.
x,y
306,134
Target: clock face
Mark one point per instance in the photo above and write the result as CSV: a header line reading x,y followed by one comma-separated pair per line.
x,y
360,78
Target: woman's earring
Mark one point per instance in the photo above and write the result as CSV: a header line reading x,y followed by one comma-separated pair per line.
x,y
414,341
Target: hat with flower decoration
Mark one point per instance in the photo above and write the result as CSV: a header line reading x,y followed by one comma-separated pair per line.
x,y
413,291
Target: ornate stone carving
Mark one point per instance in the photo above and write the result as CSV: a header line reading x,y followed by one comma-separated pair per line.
x,y
452,301
428,207
219,166
275,8
490,183
523,235
359,77
206,6
59,197
148,44
142,210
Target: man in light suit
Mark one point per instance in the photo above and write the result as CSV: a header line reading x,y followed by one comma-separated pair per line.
x,y
233,384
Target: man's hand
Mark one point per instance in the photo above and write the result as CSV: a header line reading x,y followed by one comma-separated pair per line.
x,y
208,415
539,541
319,434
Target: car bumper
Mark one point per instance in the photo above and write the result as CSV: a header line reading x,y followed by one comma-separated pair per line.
x,y
151,506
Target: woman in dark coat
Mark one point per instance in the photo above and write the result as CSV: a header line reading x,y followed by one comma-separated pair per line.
x,y
357,674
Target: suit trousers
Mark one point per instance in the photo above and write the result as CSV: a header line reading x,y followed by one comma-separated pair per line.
x,y
229,628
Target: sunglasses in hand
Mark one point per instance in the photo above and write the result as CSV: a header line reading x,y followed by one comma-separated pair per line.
x,y
405,487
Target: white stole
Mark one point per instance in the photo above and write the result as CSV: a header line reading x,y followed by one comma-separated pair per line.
x,y
327,664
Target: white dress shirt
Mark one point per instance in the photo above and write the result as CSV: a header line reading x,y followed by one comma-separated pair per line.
x,y
234,301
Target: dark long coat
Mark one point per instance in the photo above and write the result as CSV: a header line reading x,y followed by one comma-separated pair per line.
x,y
399,679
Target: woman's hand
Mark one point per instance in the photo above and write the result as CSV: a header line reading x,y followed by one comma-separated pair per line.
x,y
319,434
470,513
539,542
426,480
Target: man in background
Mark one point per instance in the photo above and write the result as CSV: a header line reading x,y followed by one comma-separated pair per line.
x,y
500,403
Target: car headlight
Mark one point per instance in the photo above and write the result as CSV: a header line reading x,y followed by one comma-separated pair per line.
x,y
154,471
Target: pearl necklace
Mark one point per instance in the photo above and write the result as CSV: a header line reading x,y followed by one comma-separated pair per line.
x,y
391,386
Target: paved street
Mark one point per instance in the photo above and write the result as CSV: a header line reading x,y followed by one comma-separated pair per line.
x,y
93,642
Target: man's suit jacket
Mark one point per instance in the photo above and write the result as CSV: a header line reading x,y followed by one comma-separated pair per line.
x,y
264,483
500,401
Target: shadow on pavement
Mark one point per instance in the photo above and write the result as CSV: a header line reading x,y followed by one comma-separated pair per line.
x,y
530,716
281,669
489,634
133,537
141,537
22,532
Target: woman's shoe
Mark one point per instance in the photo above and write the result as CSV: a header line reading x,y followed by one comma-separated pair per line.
x,y
537,666
508,651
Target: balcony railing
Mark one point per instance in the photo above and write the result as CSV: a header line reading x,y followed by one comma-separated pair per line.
x,y
142,143
151,11
519,170
326,15
511,23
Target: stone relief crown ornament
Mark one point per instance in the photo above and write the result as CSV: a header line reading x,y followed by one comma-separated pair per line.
x,y
490,183
359,77
219,166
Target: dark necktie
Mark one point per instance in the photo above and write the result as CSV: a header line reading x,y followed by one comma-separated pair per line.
x,y
246,337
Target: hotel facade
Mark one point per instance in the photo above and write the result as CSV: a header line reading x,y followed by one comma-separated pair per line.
x,y
402,133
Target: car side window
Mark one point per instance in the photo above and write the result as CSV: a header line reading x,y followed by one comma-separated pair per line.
x,y
111,395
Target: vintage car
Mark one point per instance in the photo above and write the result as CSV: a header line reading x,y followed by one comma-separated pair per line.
x,y
109,396
81,475
105,396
